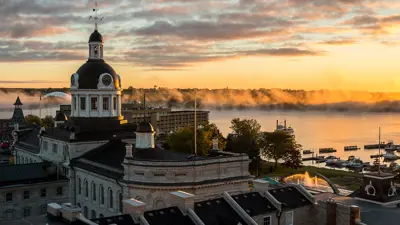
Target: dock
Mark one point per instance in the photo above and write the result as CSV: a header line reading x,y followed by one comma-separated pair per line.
x,y
351,148
327,150
315,158
376,156
374,146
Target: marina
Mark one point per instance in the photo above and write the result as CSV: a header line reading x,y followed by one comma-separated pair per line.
x,y
351,148
327,150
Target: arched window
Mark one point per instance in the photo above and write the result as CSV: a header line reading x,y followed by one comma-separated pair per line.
x,y
120,205
93,191
86,189
110,198
79,186
93,214
85,212
159,204
101,194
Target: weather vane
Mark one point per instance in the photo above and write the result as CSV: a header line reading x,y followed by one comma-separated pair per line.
x,y
95,18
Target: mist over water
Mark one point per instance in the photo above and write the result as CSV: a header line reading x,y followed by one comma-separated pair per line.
x,y
325,118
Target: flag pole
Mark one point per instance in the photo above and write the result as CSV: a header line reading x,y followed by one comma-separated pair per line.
x,y
195,124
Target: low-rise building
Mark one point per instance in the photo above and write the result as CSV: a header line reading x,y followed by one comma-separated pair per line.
x,y
26,189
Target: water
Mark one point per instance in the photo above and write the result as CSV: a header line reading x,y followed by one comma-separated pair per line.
x,y
316,130
313,130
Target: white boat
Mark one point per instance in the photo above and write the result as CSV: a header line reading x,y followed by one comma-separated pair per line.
x,y
389,156
391,147
289,130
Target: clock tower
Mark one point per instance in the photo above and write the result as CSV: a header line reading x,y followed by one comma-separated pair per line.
x,y
96,87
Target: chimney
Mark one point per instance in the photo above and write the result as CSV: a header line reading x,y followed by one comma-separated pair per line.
x,y
53,211
184,200
70,212
215,143
128,148
134,207
355,215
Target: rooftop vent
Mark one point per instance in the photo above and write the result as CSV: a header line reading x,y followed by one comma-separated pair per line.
x,y
245,196
289,189
161,212
198,205
254,195
282,190
151,214
172,210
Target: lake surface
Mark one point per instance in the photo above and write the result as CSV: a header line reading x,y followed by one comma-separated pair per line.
x,y
313,130
316,130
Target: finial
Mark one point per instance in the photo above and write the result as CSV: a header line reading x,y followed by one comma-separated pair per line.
x,y
95,17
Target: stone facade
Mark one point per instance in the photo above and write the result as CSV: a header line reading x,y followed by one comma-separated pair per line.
x,y
333,213
28,200
98,202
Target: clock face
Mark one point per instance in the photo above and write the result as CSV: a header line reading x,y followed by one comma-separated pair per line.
x,y
72,80
106,80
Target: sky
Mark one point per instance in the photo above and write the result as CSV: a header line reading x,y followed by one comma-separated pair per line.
x,y
295,44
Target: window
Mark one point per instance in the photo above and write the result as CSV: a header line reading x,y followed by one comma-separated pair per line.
x,y
43,192
54,148
94,103
267,220
44,146
110,199
9,197
120,202
85,211
83,103
101,195
289,218
105,103
115,103
43,209
26,194
65,151
9,214
93,191
93,214
79,186
26,212
59,190
86,189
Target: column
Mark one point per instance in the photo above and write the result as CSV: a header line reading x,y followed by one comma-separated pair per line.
x,y
72,188
77,106
112,105
87,102
73,105
118,105
100,105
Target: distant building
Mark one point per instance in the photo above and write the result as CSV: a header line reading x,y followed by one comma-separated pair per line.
x,y
26,189
164,120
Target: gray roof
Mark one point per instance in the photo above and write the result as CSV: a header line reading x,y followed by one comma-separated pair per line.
x,y
373,214
28,139
27,174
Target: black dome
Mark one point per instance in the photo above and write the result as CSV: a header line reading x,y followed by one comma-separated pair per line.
x,y
96,37
89,74
144,127
61,117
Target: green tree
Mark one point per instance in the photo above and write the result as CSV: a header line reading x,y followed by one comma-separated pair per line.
x,y
32,119
280,145
48,121
183,139
245,139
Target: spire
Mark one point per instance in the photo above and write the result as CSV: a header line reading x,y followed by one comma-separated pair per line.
x,y
96,18
18,102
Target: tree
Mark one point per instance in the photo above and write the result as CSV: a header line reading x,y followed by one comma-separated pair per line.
x,y
32,119
280,145
245,139
292,158
48,121
183,139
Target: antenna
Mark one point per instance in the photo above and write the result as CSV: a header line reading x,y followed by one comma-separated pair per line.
x,y
95,17
195,124
379,154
